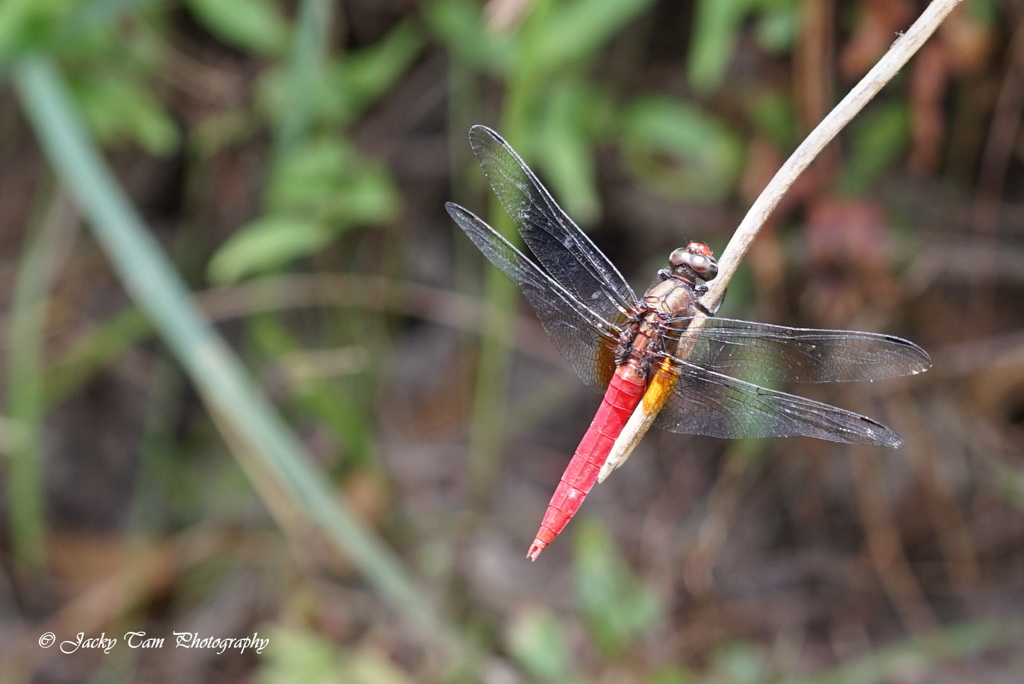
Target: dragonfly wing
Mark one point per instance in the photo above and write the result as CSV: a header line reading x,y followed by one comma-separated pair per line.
x,y
704,402
760,352
560,246
583,337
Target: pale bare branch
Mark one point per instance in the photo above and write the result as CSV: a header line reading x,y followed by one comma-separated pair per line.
x,y
887,67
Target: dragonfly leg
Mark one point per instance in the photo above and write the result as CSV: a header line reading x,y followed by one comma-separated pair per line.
x,y
703,290
626,340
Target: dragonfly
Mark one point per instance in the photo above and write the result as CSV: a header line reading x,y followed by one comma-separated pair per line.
x,y
664,356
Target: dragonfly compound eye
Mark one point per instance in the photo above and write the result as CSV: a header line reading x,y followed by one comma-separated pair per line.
x,y
704,266
697,258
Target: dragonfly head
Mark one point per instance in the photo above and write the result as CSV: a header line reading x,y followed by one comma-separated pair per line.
x,y
693,261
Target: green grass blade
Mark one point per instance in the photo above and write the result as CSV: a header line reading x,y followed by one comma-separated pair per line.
x,y
234,400
25,390
309,47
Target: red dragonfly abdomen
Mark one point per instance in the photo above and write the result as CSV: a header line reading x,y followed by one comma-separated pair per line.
x,y
620,399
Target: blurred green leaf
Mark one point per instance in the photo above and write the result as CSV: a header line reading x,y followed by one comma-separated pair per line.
x,y
1009,483
368,197
118,110
299,78
459,24
327,178
343,88
717,24
574,31
246,24
985,11
94,351
537,641
213,134
28,24
563,148
739,663
340,407
876,140
717,27
367,74
297,655
368,666
617,606
772,113
318,189
710,153
264,244
778,25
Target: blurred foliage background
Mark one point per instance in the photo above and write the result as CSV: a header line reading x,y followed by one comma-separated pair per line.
x,y
256,381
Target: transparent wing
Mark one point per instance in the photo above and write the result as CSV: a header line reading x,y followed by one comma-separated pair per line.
x,y
760,352
581,335
564,250
704,402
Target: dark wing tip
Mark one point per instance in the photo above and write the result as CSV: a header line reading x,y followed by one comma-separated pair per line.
x,y
466,220
919,358
454,210
879,435
480,136
480,130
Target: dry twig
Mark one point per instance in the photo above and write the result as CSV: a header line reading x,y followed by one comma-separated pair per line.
x,y
904,47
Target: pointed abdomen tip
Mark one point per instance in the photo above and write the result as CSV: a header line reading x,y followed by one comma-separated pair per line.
x,y
535,549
